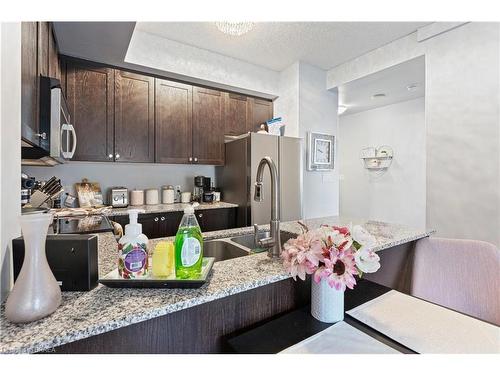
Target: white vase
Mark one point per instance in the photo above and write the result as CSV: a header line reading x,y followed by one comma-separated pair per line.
x,y
327,303
36,292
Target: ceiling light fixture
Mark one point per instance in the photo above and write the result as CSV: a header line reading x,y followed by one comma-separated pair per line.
x,y
341,109
378,96
234,28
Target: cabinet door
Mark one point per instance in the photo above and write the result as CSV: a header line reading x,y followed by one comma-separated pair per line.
x,y
260,111
54,67
236,111
29,82
134,117
216,219
208,127
90,100
173,122
43,48
169,223
150,225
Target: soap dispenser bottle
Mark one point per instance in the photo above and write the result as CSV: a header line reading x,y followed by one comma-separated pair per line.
x,y
188,246
133,249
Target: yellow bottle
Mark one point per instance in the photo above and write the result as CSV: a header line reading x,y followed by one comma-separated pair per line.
x,y
163,259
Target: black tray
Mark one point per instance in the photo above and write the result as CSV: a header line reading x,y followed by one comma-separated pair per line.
x,y
113,279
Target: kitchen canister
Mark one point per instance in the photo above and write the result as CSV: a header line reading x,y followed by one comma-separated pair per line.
x,y
167,194
186,197
137,197
152,196
36,292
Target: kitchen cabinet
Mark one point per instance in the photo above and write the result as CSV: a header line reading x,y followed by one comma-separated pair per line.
x,y
29,82
173,122
39,57
236,114
216,219
261,110
208,127
134,117
90,96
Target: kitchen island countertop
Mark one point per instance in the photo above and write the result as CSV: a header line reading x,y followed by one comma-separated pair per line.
x,y
85,314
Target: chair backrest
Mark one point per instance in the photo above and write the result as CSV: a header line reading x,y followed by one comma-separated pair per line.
x,y
463,275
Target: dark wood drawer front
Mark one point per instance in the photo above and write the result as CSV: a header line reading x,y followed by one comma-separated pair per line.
x,y
216,219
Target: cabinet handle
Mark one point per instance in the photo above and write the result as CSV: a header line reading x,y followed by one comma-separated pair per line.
x,y
110,156
117,156
42,135
196,160
156,219
190,159
162,218
200,215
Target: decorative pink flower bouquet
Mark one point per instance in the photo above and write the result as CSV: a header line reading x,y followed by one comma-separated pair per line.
x,y
333,253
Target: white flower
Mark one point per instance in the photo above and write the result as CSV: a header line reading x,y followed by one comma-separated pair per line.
x,y
366,260
363,237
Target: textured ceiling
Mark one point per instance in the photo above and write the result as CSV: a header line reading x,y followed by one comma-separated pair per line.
x,y
393,82
276,45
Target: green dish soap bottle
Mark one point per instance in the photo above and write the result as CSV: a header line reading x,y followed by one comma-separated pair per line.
x,y
188,247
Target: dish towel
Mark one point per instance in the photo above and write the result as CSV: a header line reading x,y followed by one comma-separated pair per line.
x,y
425,327
341,338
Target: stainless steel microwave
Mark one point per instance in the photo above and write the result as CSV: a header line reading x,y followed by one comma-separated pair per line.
x,y
57,136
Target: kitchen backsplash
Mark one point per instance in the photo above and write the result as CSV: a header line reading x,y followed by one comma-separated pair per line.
x,y
130,175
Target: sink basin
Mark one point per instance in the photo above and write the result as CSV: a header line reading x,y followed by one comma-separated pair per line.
x,y
247,240
222,250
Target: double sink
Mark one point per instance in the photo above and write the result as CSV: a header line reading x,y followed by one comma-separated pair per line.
x,y
235,247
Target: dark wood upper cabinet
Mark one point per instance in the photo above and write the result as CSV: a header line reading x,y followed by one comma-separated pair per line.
x,y
260,111
29,82
208,126
54,65
44,35
90,95
236,113
134,117
173,122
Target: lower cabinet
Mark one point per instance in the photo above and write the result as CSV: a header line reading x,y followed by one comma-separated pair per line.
x,y
165,224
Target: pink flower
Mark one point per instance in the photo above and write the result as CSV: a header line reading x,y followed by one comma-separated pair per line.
x,y
339,269
302,255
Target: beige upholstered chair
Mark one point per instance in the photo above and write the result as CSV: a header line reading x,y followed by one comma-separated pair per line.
x,y
463,275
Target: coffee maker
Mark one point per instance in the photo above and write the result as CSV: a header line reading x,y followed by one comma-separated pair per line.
x,y
198,189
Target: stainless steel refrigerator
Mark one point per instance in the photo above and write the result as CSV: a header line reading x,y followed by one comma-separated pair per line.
x,y
242,159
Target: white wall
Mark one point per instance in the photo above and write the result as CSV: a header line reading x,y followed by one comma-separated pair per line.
x,y
286,105
130,175
10,146
195,63
397,196
318,113
462,123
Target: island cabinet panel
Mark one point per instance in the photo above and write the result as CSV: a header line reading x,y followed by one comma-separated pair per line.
x,y
29,82
90,95
208,126
199,329
134,117
261,110
173,122
236,114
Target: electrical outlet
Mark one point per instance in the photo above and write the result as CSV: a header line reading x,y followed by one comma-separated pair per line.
x,y
178,188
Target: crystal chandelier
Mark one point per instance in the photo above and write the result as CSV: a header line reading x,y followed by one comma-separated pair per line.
x,y
234,28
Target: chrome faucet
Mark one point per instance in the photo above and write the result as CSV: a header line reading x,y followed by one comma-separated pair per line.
x,y
272,243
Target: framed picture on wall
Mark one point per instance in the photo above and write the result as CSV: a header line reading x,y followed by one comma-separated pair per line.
x,y
320,151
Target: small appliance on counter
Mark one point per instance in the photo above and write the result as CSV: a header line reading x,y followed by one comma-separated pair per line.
x,y
198,189
72,259
118,197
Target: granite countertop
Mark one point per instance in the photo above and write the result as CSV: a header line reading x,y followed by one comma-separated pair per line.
x,y
85,314
174,207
